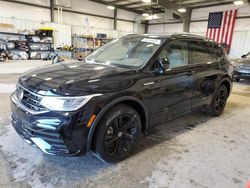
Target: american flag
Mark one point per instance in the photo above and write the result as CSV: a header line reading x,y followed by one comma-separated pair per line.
x,y
221,26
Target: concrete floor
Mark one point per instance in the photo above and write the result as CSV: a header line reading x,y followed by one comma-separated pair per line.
x,y
196,151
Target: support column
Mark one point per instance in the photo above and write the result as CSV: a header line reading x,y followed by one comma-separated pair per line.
x,y
146,26
115,19
186,20
52,13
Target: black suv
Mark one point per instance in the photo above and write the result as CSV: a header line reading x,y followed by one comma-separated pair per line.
x,y
120,91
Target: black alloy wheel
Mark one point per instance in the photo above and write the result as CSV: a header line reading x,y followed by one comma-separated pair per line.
x,y
219,101
118,133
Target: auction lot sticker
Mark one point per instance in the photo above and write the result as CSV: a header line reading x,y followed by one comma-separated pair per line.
x,y
154,41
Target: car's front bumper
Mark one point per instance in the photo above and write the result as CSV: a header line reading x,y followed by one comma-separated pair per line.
x,y
241,73
54,133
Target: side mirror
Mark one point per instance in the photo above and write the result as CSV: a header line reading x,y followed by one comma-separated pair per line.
x,y
162,65
165,63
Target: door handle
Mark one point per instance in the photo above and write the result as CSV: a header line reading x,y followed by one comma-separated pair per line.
x,y
190,73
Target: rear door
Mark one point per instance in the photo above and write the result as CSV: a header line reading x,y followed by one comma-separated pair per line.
x,y
206,68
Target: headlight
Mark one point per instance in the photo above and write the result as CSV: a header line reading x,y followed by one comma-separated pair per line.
x,y
66,103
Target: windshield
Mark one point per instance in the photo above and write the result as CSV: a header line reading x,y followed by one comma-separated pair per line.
x,y
127,52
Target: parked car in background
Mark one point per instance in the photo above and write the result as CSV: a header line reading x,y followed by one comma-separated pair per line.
x,y
123,89
242,67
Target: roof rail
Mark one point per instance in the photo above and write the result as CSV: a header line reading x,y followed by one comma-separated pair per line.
x,y
185,34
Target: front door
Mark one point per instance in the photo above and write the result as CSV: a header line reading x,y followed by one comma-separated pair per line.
x,y
170,92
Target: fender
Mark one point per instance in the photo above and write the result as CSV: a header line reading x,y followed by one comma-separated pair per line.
x,y
105,109
228,79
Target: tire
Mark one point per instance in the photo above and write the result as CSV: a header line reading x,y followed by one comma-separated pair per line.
x,y
118,133
218,102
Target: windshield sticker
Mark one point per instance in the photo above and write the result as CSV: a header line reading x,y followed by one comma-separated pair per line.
x,y
154,41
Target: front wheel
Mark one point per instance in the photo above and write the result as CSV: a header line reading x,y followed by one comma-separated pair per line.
x,y
118,133
219,100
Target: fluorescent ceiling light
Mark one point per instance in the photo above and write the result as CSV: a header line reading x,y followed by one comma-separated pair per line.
x,y
152,17
145,14
110,7
155,17
146,1
238,2
182,10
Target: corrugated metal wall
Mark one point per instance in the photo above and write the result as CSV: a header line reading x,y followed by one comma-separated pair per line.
x,y
62,33
240,43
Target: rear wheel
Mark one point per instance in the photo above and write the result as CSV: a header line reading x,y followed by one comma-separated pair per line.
x,y
118,133
219,100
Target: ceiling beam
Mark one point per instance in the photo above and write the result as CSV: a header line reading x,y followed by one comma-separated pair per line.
x,y
170,5
66,10
117,1
117,6
134,3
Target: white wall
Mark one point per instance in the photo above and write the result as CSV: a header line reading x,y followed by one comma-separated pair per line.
x,y
37,2
62,32
198,14
8,9
241,37
92,25
166,28
91,8
203,13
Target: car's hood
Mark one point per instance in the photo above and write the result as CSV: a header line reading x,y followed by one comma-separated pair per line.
x,y
76,79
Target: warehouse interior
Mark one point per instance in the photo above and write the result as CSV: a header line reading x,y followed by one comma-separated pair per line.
x,y
74,19
193,151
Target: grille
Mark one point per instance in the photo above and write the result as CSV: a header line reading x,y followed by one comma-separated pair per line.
x,y
30,100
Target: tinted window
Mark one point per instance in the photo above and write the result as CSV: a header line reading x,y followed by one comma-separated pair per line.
x,y
200,52
218,50
176,53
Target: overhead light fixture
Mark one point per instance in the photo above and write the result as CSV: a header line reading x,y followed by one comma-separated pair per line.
x,y
146,1
239,3
145,14
152,17
182,10
155,17
110,7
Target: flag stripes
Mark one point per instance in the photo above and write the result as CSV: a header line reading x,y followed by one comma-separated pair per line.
x,y
221,26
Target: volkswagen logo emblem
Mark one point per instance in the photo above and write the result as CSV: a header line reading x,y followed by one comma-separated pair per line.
x,y
20,94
